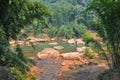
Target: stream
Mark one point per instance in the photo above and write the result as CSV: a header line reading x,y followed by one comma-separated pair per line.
x,y
50,67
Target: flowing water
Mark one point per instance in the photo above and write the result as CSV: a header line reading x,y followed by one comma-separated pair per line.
x,y
50,67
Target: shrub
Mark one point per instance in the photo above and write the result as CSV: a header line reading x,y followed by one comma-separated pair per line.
x,y
10,74
79,29
89,53
53,31
87,37
66,32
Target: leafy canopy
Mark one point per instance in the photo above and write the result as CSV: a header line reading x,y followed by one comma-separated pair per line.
x,y
109,13
14,16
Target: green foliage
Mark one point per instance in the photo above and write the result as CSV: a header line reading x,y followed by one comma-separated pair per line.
x,y
10,59
53,31
65,32
79,30
11,74
99,27
69,18
87,37
14,16
69,11
108,11
71,30
89,53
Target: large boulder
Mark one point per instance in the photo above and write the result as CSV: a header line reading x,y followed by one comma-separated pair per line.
x,y
48,53
71,56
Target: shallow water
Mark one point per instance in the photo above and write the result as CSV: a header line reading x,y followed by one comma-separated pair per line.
x,y
50,67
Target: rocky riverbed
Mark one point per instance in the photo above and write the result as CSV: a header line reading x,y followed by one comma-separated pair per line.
x,y
50,67
53,69
68,66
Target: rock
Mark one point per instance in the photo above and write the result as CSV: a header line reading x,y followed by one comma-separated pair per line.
x,y
42,56
33,39
71,41
53,39
75,63
58,47
71,56
63,64
48,53
74,41
53,43
40,40
80,42
12,42
80,49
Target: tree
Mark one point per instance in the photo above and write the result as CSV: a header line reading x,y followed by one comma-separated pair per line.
x,y
67,11
14,16
109,13
17,14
